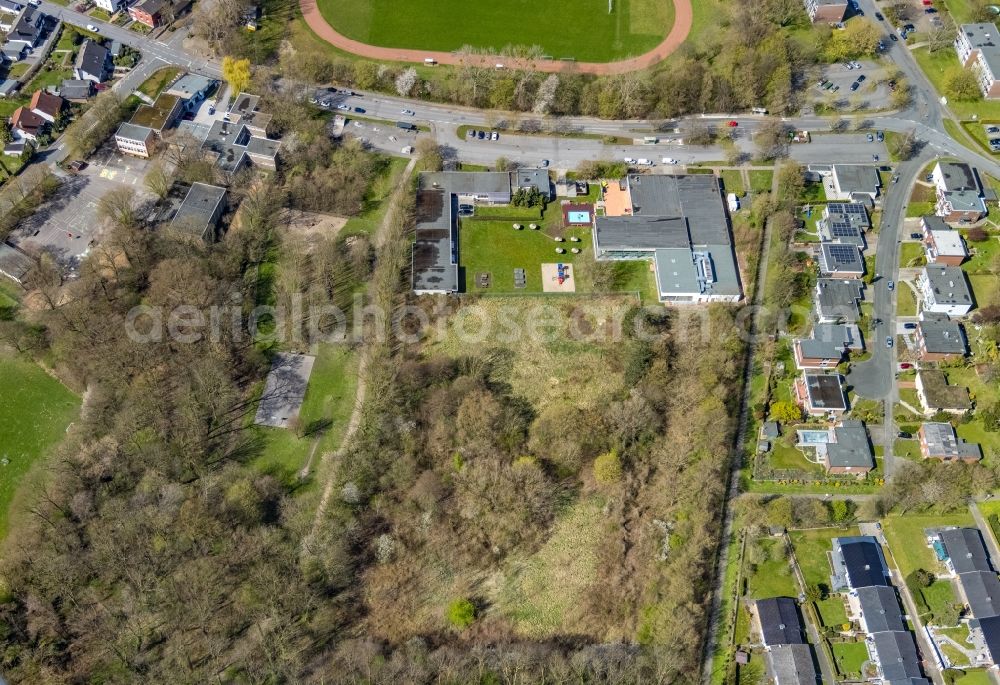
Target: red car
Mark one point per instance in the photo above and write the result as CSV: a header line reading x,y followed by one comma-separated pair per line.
x,y
906,365
733,124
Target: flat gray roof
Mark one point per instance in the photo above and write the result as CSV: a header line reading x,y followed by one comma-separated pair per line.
x,y
825,391
948,283
958,176
188,85
838,297
196,213
857,178
840,258
831,341
468,183
676,272
932,222
627,233
697,198
134,132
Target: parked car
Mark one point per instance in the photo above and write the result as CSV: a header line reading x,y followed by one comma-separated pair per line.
x,y
891,285
408,150
855,86
313,100
494,136
878,15
733,124
862,78
915,236
359,110
879,136
892,37
874,158
930,10
629,160
544,163
668,160
994,144
910,326
848,65
472,133
346,108
409,112
903,435
992,129
77,166
93,29
906,365
888,341
481,135
871,138
856,65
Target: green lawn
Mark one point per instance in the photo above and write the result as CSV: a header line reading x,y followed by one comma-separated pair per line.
x,y
832,611
732,181
907,542
158,81
375,206
330,396
773,577
939,596
812,548
937,65
917,209
982,254
850,657
784,455
910,253
977,676
760,181
985,288
35,410
494,247
906,301
582,30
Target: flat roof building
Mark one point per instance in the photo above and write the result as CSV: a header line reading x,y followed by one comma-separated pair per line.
x,y
199,213
680,223
841,260
944,290
828,346
159,115
821,394
138,141
837,299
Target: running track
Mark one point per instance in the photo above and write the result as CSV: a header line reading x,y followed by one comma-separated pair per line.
x,y
678,33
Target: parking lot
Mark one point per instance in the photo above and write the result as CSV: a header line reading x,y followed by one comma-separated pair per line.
x,y
67,225
833,84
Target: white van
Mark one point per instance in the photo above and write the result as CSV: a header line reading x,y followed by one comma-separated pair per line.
x,y
629,160
758,110
645,162
734,202
430,61
668,160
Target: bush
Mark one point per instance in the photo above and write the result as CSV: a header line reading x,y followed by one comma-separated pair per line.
x,y
461,613
608,468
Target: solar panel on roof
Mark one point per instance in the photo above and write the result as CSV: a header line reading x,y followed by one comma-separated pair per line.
x,y
840,230
844,253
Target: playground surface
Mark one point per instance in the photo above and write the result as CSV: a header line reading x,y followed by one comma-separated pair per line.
x,y
436,25
550,279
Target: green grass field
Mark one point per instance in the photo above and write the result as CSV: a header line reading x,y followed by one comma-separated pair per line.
x,y
581,30
812,548
35,410
850,657
907,543
329,396
773,576
494,247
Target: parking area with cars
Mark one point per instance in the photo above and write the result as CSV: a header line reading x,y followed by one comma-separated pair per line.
x,y
852,85
480,134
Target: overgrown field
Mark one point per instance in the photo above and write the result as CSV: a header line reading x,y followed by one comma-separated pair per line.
x,y
583,30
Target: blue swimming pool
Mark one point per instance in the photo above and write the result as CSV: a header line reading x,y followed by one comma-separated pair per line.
x,y
813,437
578,217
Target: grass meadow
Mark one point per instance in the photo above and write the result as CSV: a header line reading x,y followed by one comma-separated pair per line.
x,y
582,30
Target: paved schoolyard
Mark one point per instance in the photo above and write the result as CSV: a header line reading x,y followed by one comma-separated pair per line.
x,y
284,389
67,226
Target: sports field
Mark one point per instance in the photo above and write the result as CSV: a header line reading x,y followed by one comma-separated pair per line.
x,y
581,29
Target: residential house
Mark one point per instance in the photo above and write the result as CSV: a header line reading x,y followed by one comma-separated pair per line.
x,y
978,49
534,178
836,300
820,394
840,260
844,222
828,346
76,90
138,141
46,105
13,53
93,63
27,31
826,11
940,441
857,182
936,395
9,12
26,125
791,665
968,560
944,290
876,609
149,12
843,449
681,225
247,108
777,621
959,192
944,247
111,6
895,655
199,213
857,562
939,338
